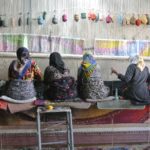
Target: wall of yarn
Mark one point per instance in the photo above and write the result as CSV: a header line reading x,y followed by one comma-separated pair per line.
x,y
102,19
15,16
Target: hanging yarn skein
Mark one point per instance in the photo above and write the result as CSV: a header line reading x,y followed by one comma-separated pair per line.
x,y
64,17
1,22
76,17
20,20
44,15
28,19
40,20
5,24
55,19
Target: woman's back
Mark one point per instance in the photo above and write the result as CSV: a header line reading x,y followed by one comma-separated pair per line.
x,y
90,83
26,72
21,74
59,84
136,81
137,85
51,73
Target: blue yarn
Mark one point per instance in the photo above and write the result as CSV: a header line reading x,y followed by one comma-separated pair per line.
x,y
120,19
40,20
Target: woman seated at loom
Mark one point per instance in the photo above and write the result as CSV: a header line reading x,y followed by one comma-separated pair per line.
x,y
21,73
59,84
136,81
90,83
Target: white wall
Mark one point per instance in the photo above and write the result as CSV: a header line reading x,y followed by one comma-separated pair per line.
x,y
72,62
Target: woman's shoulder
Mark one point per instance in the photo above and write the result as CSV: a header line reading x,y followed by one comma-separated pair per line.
x,y
146,68
13,63
132,67
50,69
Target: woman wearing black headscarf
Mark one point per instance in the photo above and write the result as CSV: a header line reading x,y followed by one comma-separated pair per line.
x,y
56,68
60,85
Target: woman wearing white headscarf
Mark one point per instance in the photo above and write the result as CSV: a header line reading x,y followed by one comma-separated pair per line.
x,y
136,78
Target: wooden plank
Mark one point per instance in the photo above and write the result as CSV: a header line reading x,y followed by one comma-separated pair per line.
x,y
118,104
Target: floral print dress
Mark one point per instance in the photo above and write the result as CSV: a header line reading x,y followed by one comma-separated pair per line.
x,y
92,87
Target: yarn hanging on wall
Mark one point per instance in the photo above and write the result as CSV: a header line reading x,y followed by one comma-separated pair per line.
x,y
133,20
127,19
92,16
1,22
143,19
76,17
97,17
44,15
148,19
76,11
120,19
109,19
83,15
64,17
13,21
4,23
54,20
124,21
28,19
19,21
40,20
138,22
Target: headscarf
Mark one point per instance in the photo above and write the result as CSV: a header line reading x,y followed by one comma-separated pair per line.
x,y
18,68
56,61
22,52
139,61
88,64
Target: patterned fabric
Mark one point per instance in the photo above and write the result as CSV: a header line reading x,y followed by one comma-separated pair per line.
x,y
51,73
88,65
21,74
90,83
20,89
62,89
59,85
56,61
3,104
32,73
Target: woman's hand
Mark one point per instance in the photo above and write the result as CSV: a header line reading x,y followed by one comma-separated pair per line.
x,y
114,71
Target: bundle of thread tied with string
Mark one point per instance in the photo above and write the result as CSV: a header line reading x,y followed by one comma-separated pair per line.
x,y
92,16
109,19
64,18
76,17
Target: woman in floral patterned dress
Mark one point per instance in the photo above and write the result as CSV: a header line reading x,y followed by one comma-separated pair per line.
x,y
90,83
21,74
60,85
